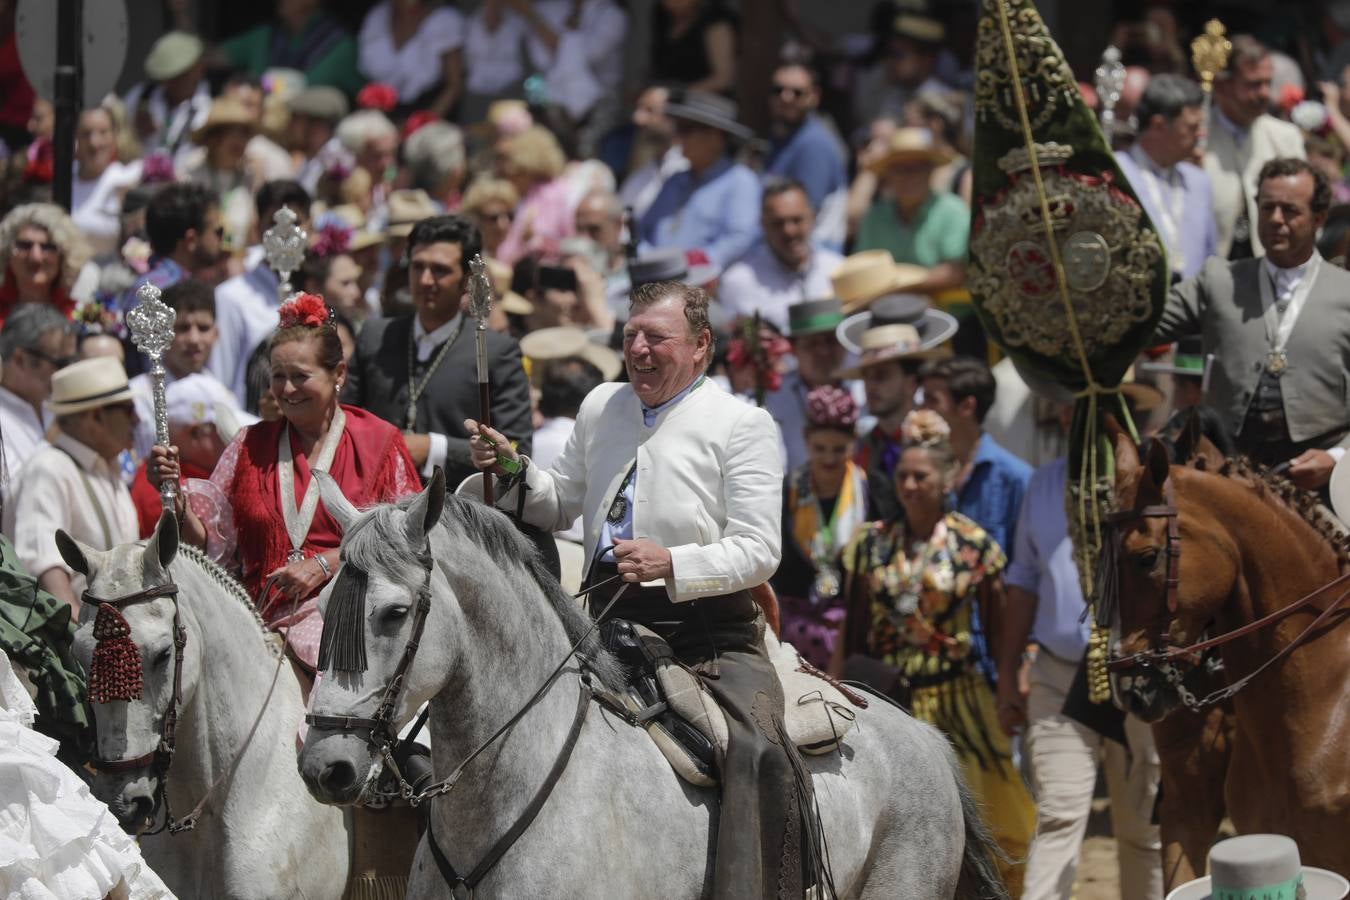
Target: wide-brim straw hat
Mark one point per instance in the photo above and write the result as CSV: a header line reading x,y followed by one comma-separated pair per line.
x,y
869,274
566,342
893,343
360,238
712,110
407,207
1257,866
933,326
172,55
225,111
910,145
89,384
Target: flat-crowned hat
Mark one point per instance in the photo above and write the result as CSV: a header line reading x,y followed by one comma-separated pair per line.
x,y
407,207
910,145
932,327
509,301
361,237
658,265
869,274
320,102
712,110
196,400
922,29
566,342
88,384
172,55
814,316
1261,867
225,111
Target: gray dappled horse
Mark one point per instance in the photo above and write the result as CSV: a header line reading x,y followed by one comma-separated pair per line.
x,y
261,834
619,822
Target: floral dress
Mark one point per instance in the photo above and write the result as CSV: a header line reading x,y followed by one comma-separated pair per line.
x,y
919,612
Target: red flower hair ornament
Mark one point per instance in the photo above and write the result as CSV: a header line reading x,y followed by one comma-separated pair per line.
x,y
306,310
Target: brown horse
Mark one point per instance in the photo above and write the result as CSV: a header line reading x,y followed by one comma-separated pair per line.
x,y
1244,558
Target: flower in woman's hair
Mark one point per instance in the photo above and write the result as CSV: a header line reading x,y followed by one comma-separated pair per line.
x,y
308,310
377,96
831,407
136,254
417,120
332,237
924,428
157,168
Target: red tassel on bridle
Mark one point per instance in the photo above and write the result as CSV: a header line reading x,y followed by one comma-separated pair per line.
x,y
116,670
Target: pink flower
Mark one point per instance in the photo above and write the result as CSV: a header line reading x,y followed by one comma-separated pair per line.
x,y
377,96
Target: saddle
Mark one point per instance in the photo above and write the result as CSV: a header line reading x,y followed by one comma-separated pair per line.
x,y
670,701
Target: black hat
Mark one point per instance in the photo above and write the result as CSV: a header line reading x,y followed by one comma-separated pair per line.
x,y
712,110
933,325
659,265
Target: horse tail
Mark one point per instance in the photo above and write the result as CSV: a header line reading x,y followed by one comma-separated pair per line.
x,y
979,878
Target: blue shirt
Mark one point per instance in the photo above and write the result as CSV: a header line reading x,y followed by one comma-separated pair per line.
x,y
813,156
163,272
717,212
622,530
1042,564
992,495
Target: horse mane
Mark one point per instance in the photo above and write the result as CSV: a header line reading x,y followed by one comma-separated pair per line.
x,y
376,542
1305,504
222,578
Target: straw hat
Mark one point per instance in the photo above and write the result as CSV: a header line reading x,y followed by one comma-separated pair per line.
x,y
1257,866
910,145
865,276
172,55
509,301
919,28
898,326
566,342
325,103
89,384
225,111
408,207
355,219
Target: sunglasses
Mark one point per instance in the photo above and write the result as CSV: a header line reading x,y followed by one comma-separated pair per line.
x,y
792,93
24,245
59,362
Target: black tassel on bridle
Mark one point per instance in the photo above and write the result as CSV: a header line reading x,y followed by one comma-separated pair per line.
x,y
1107,580
343,643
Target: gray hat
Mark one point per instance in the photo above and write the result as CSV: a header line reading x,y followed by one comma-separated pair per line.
x,y
326,103
172,55
1254,866
712,110
659,265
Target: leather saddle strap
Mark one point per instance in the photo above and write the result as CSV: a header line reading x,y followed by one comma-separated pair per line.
x,y
527,817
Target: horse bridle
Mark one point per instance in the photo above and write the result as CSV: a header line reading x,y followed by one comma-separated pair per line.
x,y
159,758
1166,658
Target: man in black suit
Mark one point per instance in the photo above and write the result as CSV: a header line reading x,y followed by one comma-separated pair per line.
x,y
420,371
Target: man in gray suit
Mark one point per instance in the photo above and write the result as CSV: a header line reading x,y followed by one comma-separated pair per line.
x,y
1279,327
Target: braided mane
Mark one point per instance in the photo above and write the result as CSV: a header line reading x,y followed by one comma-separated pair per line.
x,y
1305,504
218,574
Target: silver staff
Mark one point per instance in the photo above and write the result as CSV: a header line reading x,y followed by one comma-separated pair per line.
x,y
1109,80
151,325
284,248
480,306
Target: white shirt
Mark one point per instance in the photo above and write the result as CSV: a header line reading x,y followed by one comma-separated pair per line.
x,y
761,283
1283,293
640,188
492,59
246,313
427,344
52,494
588,61
97,204
415,67
173,127
548,442
22,432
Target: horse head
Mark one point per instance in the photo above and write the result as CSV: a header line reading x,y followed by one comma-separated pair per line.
x,y
376,608
131,726
1146,614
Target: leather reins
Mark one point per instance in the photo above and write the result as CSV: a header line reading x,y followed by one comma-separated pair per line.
x,y
1167,656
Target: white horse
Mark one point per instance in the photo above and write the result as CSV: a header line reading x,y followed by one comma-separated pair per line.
x,y
260,835
618,823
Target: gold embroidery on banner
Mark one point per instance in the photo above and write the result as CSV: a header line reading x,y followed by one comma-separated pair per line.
x,y
1046,80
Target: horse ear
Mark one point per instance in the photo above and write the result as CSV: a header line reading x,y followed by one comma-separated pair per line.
x,y
426,510
337,504
1207,456
163,544
73,552
1127,454
1158,462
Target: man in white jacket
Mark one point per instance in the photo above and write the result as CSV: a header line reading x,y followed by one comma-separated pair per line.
x,y
680,488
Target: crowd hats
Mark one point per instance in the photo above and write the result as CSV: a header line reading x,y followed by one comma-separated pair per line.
x,y
920,29
224,112
509,301
361,237
408,207
89,384
865,276
172,55
709,109
1258,867
195,400
896,327
814,316
322,102
910,145
566,342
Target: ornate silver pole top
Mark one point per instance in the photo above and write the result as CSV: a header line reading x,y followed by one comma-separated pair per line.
x,y
1109,80
284,246
480,290
151,324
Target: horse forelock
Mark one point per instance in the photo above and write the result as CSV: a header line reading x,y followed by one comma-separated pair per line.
x,y
378,542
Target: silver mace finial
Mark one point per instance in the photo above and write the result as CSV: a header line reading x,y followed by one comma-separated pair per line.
x,y
1109,82
284,247
151,324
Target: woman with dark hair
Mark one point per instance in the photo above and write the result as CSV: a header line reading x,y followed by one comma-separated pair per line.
x,y
694,45
287,545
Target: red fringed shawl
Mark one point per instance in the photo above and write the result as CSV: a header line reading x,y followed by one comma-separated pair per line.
x,y
364,466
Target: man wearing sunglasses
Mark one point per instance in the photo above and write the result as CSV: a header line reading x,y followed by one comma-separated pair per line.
x,y
806,150
35,341
75,482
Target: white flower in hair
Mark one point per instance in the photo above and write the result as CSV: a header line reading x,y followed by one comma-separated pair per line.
x,y
924,428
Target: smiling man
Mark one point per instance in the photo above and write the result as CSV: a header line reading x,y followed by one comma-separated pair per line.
x,y
1279,328
680,487
419,371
